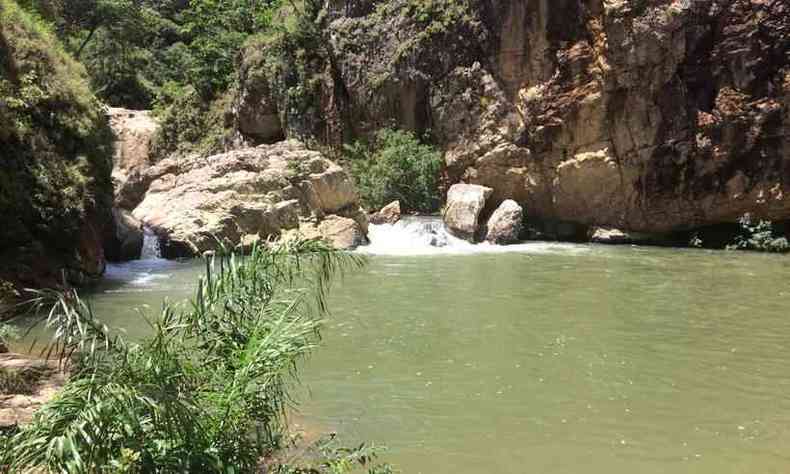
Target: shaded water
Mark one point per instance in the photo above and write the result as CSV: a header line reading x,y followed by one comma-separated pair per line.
x,y
554,359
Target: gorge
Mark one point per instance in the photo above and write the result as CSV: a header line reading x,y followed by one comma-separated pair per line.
x,y
476,155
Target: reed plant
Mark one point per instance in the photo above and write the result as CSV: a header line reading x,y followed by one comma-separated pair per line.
x,y
208,391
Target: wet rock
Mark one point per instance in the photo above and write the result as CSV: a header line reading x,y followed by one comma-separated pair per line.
x,y
465,202
126,242
388,214
611,236
341,232
504,225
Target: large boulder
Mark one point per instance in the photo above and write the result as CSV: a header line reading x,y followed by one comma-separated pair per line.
x,y
464,204
504,225
126,242
134,132
340,232
389,214
236,198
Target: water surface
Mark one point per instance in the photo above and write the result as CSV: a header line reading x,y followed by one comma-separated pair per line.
x,y
551,359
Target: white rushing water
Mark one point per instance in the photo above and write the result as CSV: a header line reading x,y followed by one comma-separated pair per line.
x,y
151,250
427,235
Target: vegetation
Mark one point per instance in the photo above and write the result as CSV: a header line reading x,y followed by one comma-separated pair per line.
x,y
395,165
189,124
208,391
759,235
55,143
133,49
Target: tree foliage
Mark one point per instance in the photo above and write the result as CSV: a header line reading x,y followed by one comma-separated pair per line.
x,y
396,166
132,48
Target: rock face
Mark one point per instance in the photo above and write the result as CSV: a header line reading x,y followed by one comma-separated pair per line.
x,y
388,214
643,116
250,194
127,241
504,225
134,131
465,202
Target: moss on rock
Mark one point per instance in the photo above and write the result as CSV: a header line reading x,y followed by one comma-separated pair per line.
x,y
55,151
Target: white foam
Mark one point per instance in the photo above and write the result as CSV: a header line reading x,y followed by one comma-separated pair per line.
x,y
429,236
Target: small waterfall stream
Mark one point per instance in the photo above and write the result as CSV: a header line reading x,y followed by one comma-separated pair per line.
x,y
151,250
427,235
413,235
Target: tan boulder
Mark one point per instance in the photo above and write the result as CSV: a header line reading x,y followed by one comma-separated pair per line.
x,y
504,225
341,232
465,202
237,197
134,131
388,214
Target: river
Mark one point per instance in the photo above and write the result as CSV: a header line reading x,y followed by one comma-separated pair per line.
x,y
544,358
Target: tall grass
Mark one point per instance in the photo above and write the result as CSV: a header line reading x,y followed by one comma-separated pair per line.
x,y
208,391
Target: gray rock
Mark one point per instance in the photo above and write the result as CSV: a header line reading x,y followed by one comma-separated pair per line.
x,y
127,239
504,225
465,202
388,214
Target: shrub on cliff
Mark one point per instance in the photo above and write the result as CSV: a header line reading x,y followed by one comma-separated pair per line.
x,y
760,236
394,165
55,145
207,392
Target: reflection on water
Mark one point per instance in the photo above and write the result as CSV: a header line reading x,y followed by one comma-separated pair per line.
x,y
581,359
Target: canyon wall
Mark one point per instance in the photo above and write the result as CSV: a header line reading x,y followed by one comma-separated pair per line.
x,y
647,115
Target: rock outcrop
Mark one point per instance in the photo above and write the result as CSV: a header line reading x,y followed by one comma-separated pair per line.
x,y
461,214
134,132
126,242
504,225
250,194
643,116
389,214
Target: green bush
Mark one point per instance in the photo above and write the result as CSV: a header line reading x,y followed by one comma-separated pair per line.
x,y
187,123
760,236
396,166
207,392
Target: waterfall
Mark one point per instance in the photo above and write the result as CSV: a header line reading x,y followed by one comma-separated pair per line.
x,y
151,250
414,236
429,236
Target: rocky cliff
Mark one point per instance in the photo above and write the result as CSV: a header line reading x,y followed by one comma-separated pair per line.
x,y
646,115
